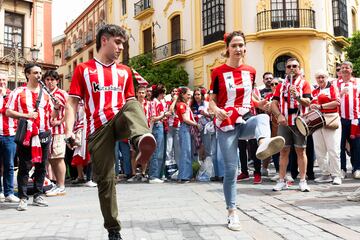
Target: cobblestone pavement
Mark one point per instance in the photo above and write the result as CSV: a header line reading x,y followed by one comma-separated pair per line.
x,y
194,211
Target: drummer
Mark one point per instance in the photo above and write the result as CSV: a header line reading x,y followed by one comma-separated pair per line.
x,y
291,98
326,140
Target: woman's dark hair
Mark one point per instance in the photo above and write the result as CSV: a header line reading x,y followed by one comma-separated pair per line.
x,y
28,67
229,36
157,90
182,91
52,74
110,30
193,96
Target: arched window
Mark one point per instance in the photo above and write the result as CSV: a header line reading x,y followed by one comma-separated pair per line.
x,y
279,65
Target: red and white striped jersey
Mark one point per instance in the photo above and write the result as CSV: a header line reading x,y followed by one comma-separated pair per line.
x,y
173,120
349,103
233,86
61,95
289,106
104,88
182,108
23,100
139,79
155,108
7,125
329,94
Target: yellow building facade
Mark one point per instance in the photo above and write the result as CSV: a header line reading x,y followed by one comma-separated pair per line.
x,y
192,31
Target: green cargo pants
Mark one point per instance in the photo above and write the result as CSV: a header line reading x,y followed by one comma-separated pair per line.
x,y
129,123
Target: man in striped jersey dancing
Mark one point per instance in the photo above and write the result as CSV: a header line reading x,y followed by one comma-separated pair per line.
x,y
112,113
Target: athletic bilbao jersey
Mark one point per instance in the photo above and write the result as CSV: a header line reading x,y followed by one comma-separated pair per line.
x,y
7,125
349,103
289,106
104,88
23,100
182,108
61,95
233,86
325,95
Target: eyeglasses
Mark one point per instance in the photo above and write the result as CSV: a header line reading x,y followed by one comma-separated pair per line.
x,y
292,66
274,84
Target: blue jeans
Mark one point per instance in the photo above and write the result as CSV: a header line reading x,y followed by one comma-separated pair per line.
x,y
124,149
354,146
217,157
157,158
255,127
7,150
118,156
185,162
173,144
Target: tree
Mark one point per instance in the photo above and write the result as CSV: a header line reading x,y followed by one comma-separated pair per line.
x,y
169,73
353,53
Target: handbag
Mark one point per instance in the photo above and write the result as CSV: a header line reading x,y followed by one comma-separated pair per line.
x,y
331,120
22,123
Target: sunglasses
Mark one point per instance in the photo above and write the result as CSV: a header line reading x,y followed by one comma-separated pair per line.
x,y
292,66
274,84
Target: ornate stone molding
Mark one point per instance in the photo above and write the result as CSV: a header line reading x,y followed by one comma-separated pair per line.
x,y
261,6
169,3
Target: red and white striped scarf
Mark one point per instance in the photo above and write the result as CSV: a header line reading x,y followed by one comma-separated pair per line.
x,y
140,80
32,139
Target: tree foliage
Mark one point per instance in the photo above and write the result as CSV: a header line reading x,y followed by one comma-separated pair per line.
x,y
353,53
169,73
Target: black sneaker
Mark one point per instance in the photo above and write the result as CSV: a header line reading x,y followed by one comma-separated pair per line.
x,y
114,235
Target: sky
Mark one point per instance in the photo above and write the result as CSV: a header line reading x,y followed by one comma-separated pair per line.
x,y
66,11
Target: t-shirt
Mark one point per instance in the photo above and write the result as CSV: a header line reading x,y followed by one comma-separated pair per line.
x,y
104,88
7,125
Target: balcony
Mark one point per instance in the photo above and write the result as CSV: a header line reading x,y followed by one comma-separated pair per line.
x,y
67,53
174,49
79,45
99,25
89,37
143,9
285,18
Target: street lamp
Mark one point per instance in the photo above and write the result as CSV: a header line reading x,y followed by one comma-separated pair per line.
x,y
34,54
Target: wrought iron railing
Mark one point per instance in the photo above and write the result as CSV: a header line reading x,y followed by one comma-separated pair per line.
x,y
169,49
69,76
89,37
99,25
141,6
67,53
285,18
78,45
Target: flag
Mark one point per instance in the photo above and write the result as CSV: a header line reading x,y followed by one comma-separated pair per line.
x,y
140,80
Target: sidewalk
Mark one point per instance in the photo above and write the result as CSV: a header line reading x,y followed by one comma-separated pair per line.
x,y
194,211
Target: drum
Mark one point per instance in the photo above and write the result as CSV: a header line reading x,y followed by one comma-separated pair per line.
x,y
310,122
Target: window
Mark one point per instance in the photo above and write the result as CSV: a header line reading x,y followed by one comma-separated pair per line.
x,y
147,40
284,13
123,6
175,35
213,20
125,53
340,18
14,23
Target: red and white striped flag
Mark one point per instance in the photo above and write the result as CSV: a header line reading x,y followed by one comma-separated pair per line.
x,y
141,81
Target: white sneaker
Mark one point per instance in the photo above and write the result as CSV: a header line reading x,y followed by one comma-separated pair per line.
x,y
56,191
2,197
275,178
12,198
90,184
155,180
324,179
355,196
264,172
234,222
303,186
337,181
22,205
280,185
269,147
39,201
289,178
356,174
343,174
